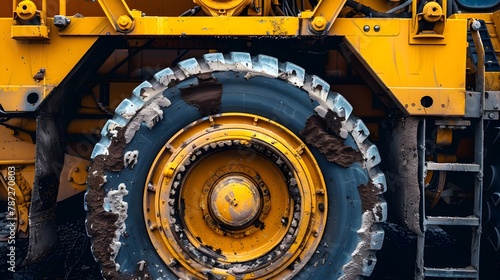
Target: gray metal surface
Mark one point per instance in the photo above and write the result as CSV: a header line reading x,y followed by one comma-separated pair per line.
x,y
451,272
491,105
453,221
459,167
472,102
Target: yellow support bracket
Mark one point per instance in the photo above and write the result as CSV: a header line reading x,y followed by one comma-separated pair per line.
x,y
29,22
118,14
428,22
323,16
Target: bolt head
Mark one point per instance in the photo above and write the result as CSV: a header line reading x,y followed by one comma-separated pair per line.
x,y
366,28
475,25
376,28
319,23
124,22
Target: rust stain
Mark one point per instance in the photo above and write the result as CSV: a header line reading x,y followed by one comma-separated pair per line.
x,y
316,134
277,26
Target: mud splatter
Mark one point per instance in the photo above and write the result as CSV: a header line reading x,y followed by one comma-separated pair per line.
x,y
363,261
113,202
331,146
141,272
334,123
369,198
206,95
101,225
401,161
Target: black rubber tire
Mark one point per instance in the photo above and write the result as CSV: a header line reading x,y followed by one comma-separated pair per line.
x,y
352,235
490,243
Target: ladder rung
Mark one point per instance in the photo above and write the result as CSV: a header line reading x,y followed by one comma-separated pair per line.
x,y
462,167
467,272
453,221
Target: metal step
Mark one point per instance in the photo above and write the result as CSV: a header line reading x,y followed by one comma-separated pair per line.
x,y
459,167
467,272
453,221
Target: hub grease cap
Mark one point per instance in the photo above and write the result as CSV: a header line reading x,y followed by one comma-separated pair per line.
x,y
235,201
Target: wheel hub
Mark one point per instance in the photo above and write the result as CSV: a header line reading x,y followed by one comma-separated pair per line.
x,y
209,197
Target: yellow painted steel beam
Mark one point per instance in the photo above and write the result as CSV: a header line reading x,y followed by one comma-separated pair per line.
x,y
17,162
118,14
423,79
190,26
62,7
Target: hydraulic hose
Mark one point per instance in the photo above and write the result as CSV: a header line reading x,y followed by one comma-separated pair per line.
x,y
369,12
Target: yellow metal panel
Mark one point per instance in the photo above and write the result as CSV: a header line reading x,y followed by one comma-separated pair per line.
x,y
73,177
15,150
496,20
21,61
492,81
14,97
256,26
444,101
412,72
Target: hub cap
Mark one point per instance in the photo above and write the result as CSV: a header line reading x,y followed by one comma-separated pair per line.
x,y
235,201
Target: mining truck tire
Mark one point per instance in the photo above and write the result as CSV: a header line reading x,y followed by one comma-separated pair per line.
x,y
491,192
235,167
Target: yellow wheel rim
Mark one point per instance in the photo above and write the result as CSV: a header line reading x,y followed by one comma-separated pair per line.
x,y
235,195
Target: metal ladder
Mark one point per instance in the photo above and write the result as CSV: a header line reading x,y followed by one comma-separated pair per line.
x,y
473,221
